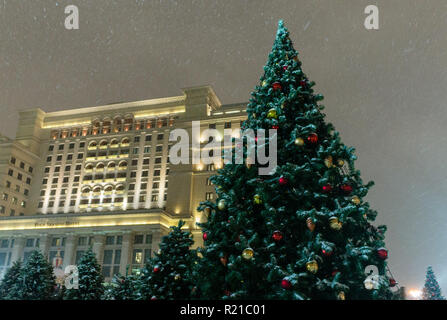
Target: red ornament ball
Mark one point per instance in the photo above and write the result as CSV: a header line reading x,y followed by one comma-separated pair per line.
x,y
303,83
283,181
153,298
285,68
327,188
334,273
392,282
382,253
277,235
205,236
326,253
275,127
156,269
346,189
312,138
286,284
276,86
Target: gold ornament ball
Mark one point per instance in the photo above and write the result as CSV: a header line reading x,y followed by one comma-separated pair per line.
x,y
341,295
299,142
328,162
264,83
248,253
257,199
272,114
334,223
355,200
177,277
312,266
221,205
340,162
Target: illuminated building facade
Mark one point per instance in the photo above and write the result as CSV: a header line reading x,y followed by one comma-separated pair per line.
x,y
101,177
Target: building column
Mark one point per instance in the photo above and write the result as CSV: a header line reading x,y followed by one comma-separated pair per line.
x,y
17,250
44,244
98,247
70,246
126,253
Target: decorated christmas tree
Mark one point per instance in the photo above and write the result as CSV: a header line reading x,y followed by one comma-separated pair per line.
x,y
304,231
90,279
123,288
168,274
10,287
432,290
37,278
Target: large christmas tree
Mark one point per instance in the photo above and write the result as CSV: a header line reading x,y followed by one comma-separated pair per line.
x,y
304,231
168,275
432,290
90,279
37,278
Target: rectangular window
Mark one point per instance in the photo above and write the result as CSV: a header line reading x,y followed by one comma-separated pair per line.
x,y
22,165
136,139
10,172
69,157
28,181
110,240
146,161
209,196
13,160
135,150
19,176
143,186
61,147
138,239
71,146
159,149
148,138
156,173
160,136
137,256
82,241
30,169
49,159
59,158
154,198
57,169
227,125
145,173
42,193
147,149
134,162
212,126
50,148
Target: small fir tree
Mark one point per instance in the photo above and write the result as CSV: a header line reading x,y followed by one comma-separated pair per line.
x,y
124,288
168,275
10,287
38,280
90,279
432,290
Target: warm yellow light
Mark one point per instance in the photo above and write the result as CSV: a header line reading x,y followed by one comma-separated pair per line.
x,y
415,293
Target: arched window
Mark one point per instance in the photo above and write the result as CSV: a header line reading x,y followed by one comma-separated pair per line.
x,y
97,190
86,190
92,145
88,167
111,166
100,166
103,144
125,141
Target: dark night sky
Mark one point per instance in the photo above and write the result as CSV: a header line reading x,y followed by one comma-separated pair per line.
x,y
385,90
